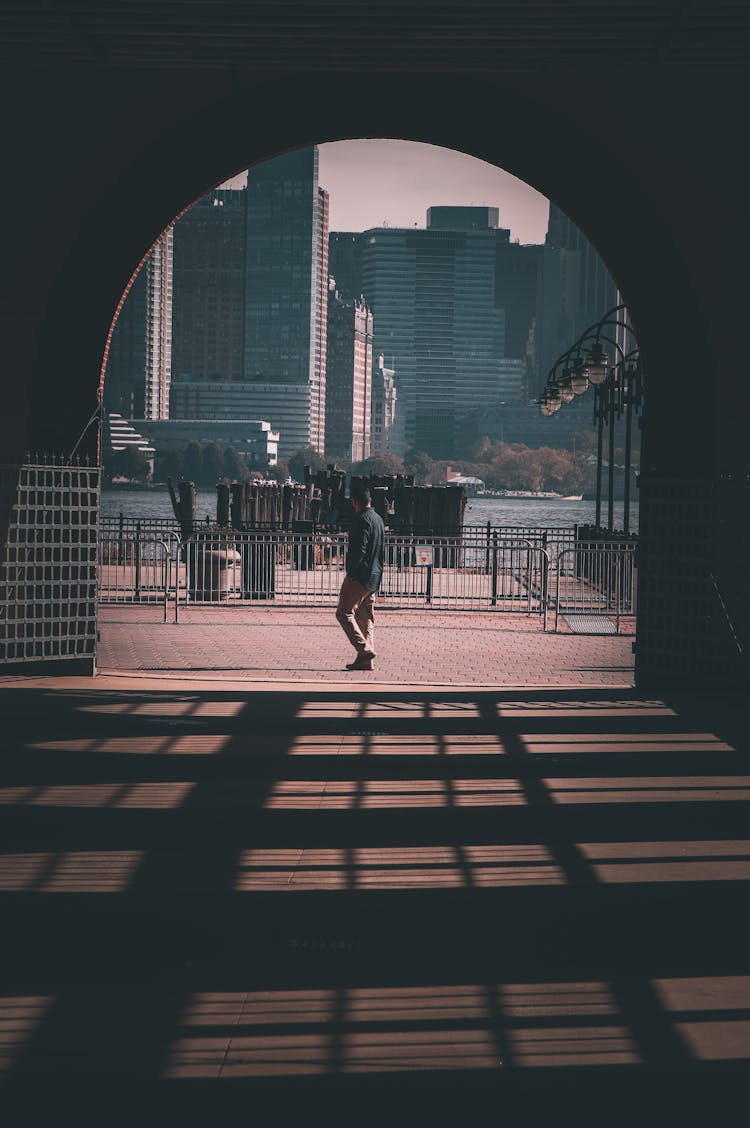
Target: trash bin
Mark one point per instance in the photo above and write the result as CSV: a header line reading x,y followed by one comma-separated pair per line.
x,y
259,567
303,549
215,572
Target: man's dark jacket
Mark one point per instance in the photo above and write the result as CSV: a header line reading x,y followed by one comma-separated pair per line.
x,y
364,556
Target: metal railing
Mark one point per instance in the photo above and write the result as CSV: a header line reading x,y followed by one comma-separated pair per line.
x,y
553,538
596,578
139,568
454,572
446,573
294,569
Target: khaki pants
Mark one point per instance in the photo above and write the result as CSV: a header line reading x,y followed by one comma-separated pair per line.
x,y
354,612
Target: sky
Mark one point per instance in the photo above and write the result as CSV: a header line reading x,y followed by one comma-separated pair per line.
x,y
377,182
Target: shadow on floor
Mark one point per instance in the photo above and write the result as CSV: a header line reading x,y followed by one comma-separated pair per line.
x,y
339,898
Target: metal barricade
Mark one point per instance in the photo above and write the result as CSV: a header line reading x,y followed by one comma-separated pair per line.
x,y
286,568
306,569
139,567
125,526
446,573
596,580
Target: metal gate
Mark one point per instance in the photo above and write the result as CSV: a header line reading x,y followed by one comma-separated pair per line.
x,y
139,567
595,586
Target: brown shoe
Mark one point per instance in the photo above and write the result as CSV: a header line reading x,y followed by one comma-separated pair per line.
x,y
360,663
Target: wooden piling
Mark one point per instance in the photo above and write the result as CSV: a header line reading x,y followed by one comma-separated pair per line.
x,y
222,505
186,505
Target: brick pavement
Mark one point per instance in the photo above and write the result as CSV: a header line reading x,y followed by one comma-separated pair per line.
x,y
307,645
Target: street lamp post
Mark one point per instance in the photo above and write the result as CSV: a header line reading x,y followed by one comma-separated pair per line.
x,y
631,390
617,390
599,419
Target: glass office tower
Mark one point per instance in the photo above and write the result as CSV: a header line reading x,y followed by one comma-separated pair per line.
x,y
438,322
209,289
286,282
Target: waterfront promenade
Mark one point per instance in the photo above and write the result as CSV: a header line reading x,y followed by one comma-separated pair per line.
x,y
278,891
307,646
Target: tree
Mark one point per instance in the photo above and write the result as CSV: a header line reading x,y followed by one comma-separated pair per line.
x,y
481,448
193,462
340,461
214,463
378,464
306,456
418,463
169,464
279,472
560,471
234,465
129,463
514,468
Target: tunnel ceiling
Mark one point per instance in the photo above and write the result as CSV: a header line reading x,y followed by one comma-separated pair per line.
x,y
399,35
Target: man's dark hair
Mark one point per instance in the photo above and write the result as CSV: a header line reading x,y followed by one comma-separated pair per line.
x,y
361,495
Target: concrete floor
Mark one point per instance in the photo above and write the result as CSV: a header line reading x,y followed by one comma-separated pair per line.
x,y
369,902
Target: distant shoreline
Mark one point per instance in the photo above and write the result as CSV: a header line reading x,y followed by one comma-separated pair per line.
x,y
529,495
519,512
506,495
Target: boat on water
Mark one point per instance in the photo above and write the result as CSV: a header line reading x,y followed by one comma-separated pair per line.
x,y
530,495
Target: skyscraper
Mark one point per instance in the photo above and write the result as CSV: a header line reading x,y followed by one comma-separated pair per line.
x,y
517,269
575,290
125,383
345,262
250,310
286,285
140,353
318,404
209,289
348,378
159,328
436,299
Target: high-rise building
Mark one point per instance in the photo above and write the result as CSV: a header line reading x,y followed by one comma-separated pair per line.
x,y
348,378
575,291
517,269
125,382
286,285
209,289
345,262
320,312
385,430
159,328
140,352
436,298
595,289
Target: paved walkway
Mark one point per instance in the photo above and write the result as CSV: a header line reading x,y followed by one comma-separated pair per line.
x,y
307,646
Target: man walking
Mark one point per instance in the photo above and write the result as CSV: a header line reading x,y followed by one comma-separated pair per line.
x,y
364,571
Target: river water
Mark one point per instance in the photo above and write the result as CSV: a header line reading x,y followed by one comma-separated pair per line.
x,y
527,512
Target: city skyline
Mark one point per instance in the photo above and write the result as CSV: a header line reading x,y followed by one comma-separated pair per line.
x,y
375,182
467,317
